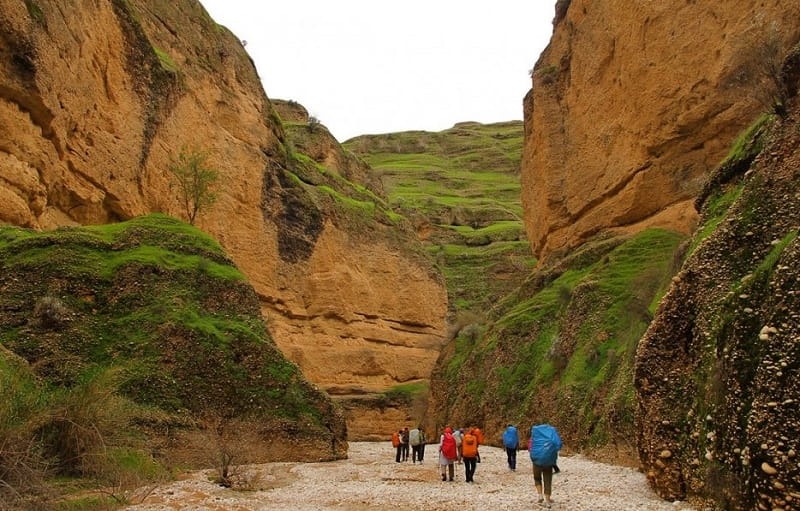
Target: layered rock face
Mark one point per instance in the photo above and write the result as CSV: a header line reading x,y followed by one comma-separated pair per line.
x,y
632,105
95,102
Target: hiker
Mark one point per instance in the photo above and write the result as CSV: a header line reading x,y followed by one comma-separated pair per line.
x,y
511,443
415,439
479,435
422,441
404,443
448,454
397,444
457,433
544,446
469,453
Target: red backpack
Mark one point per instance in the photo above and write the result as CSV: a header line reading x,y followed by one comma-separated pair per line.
x,y
449,447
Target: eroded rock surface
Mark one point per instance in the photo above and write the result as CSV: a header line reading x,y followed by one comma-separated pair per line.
x,y
94,102
633,105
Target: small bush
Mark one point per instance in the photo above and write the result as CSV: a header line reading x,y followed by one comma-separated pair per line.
x,y
84,424
23,406
228,449
196,181
313,124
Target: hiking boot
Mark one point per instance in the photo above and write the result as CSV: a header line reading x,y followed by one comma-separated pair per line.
x,y
444,478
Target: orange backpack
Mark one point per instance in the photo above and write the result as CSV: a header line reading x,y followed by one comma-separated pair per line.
x,y
469,446
395,439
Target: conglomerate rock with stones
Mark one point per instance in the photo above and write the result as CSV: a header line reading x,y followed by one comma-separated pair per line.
x,y
718,372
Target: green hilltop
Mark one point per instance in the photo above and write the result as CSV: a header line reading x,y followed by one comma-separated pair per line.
x,y
460,189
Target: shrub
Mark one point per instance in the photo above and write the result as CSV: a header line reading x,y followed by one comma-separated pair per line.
x,y
23,406
196,181
228,447
84,424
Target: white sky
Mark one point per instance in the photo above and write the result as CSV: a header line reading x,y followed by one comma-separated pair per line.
x,y
379,66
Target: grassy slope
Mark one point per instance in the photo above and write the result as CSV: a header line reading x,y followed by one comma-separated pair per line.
x,y
465,182
561,347
137,326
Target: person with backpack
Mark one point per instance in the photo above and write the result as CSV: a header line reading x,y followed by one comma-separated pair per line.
x,y
469,453
457,434
404,443
479,435
544,446
511,443
448,454
414,441
422,441
396,443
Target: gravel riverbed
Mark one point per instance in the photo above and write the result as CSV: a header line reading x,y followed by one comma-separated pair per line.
x,y
371,480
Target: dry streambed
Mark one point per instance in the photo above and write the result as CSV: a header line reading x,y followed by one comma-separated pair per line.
x,y
371,480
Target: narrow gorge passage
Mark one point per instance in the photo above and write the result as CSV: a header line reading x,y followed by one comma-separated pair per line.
x,y
371,480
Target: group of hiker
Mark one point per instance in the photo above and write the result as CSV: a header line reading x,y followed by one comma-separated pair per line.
x,y
415,438
460,446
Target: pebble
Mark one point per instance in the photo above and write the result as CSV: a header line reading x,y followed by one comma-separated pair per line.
x,y
768,469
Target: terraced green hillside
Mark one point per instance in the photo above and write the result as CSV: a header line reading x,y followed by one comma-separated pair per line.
x,y
460,187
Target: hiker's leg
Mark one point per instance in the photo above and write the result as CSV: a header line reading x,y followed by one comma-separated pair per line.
x,y
451,468
399,451
537,480
547,475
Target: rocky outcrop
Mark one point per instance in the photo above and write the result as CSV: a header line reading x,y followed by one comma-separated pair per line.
x,y
95,102
717,372
633,105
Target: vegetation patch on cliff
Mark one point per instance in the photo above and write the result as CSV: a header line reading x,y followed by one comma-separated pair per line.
x,y
561,347
136,348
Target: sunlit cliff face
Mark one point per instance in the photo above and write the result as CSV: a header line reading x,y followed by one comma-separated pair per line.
x,y
94,105
632,106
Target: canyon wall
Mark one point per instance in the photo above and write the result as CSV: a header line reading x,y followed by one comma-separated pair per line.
x,y
96,99
717,372
632,106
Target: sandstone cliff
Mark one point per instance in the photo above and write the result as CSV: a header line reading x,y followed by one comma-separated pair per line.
x,y
94,102
632,106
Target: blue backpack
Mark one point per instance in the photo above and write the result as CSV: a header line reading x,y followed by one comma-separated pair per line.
x,y
510,438
545,444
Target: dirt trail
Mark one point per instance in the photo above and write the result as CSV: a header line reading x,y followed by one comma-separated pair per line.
x,y
371,480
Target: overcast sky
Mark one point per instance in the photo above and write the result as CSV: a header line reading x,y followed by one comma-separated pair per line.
x,y
379,66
